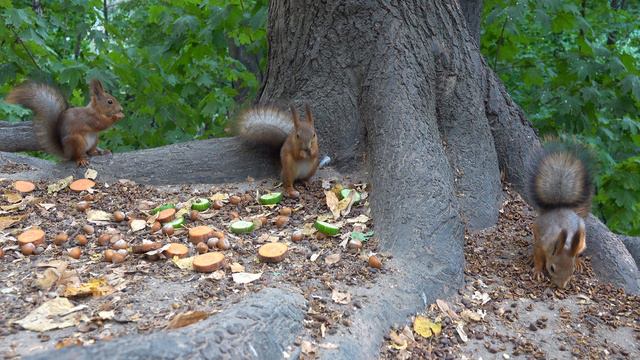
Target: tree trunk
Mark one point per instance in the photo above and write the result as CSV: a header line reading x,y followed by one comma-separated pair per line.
x,y
16,137
472,10
402,86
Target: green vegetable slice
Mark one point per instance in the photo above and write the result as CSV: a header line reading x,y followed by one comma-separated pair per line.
x,y
177,223
326,228
162,207
241,227
345,193
271,198
201,204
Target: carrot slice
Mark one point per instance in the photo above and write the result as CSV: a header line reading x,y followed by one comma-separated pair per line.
x,y
272,252
199,234
166,215
35,236
208,262
176,249
24,186
81,185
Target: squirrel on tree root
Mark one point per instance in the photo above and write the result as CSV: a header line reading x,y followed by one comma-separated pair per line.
x,y
70,133
296,138
560,189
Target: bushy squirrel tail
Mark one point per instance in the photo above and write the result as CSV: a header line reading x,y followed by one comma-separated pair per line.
x,y
562,177
264,124
47,104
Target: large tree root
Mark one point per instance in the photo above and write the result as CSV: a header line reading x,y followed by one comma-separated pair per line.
x,y
17,137
263,326
194,162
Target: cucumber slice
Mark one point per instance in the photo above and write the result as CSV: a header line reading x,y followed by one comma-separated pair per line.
x,y
326,228
177,223
345,193
162,207
241,227
201,204
271,198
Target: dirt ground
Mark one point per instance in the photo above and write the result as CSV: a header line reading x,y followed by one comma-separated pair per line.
x,y
503,313
500,313
141,295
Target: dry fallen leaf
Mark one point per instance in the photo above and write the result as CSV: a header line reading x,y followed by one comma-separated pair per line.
x,y
47,206
332,204
340,297
236,267
398,342
106,315
90,174
308,229
59,185
9,221
98,215
332,259
446,309
219,196
183,263
217,275
425,327
53,314
13,198
137,225
469,315
362,218
461,333
93,287
245,278
483,298
187,318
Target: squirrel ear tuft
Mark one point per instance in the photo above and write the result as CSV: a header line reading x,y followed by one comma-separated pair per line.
x,y
578,242
560,241
307,109
294,115
96,88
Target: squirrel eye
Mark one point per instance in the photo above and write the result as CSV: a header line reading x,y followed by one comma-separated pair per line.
x,y
298,136
552,268
110,101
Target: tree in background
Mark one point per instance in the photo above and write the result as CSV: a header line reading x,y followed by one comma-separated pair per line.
x,y
180,68
574,67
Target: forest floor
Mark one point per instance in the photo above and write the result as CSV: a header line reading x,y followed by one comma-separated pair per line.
x,y
140,295
502,313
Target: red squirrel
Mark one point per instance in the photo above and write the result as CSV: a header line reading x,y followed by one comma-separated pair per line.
x,y
68,132
296,138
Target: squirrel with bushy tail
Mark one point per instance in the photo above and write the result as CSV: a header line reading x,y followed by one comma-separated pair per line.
x,y
296,137
68,132
561,190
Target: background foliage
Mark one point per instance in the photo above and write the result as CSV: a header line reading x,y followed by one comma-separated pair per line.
x,y
181,68
574,67
178,67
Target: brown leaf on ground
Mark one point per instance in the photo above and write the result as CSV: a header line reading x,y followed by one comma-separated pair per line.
x,y
187,318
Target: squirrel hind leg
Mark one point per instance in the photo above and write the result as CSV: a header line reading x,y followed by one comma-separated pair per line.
x,y
74,148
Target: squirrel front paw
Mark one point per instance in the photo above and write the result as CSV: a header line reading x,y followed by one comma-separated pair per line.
x,y
82,162
538,275
579,267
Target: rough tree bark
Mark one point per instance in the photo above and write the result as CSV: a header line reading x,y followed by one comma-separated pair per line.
x,y
472,10
403,86
17,137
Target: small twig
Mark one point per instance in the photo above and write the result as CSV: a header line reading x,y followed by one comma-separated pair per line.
x,y
25,48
